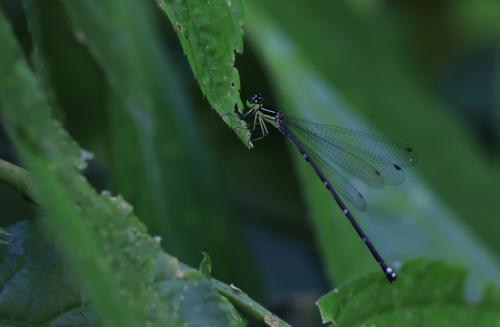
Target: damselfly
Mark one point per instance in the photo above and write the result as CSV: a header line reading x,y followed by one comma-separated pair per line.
x,y
333,152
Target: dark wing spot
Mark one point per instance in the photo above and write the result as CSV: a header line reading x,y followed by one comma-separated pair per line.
x,y
377,172
409,150
397,167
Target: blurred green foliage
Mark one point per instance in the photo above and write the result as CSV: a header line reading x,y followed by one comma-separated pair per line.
x,y
128,81
127,277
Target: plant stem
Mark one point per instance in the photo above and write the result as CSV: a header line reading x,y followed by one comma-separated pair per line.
x,y
17,178
20,180
243,302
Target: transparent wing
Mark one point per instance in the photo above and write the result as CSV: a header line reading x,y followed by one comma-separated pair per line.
x,y
338,181
375,160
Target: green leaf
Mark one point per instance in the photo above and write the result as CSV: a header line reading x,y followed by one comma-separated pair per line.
x,y
206,264
370,63
404,222
149,126
210,34
127,277
37,289
427,294
372,66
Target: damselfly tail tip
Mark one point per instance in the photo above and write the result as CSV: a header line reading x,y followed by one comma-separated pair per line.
x,y
390,274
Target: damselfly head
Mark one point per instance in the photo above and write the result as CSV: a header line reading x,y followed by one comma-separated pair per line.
x,y
254,100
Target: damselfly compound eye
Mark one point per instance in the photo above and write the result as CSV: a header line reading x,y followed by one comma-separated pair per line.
x,y
255,99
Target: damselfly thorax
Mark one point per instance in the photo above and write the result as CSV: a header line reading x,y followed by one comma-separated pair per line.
x,y
262,116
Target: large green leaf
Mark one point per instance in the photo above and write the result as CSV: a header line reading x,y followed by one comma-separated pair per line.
x,y
428,294
149,121
127,277
367,58
404,222
37,289
210,33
